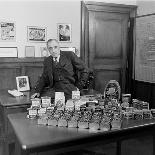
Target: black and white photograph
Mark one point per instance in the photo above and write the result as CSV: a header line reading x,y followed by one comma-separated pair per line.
x,y
7,31
36,34
77,77
22,83
64,32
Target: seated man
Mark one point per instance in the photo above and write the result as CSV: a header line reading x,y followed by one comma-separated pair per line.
x,y
60,70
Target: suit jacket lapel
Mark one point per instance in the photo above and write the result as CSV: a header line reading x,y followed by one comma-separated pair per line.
x,y
63,59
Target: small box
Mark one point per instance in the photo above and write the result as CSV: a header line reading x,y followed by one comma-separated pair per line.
x,y
147,114
94,126
76,95
116,124
128,115
32,113
52,122
36,102
126,98
153,113
105,126
83,125
42,121
69,105
62,123
46,101
138,114
145,105
72,124
42,111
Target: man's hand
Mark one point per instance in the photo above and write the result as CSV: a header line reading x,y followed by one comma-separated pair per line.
x,y
35,95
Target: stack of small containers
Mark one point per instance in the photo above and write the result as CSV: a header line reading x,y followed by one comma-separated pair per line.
x,y
86,112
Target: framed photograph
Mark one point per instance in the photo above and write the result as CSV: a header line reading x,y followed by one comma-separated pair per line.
x,y
22,83
36,34
9,52
7,31
29,51
44,52
64,32
72,49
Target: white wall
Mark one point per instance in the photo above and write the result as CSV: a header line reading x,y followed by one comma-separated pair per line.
x,y
44,14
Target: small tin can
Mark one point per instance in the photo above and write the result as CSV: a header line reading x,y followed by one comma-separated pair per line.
x,y
46,101
126,98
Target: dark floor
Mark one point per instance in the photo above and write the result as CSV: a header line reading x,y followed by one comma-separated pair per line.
x,y
138,146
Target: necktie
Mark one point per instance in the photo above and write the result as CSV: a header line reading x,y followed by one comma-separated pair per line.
x,y
55,60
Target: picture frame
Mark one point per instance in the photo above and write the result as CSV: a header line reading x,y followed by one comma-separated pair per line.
x,y
22,83
36,34
44,52
9,52
7,31
29,51
64,31
72,49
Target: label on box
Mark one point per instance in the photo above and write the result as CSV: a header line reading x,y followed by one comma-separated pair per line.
x,y
32,112
36,102
46,101
42,111
76,95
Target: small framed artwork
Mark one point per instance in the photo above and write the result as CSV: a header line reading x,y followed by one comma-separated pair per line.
x,y
72,49
9,52
22,83
64,32
7,31
29,51
44,52
36,34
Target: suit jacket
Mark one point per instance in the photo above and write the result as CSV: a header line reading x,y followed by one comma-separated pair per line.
x,y
71,63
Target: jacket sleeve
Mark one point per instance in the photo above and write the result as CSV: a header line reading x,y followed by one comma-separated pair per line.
x,y
43,80
80,67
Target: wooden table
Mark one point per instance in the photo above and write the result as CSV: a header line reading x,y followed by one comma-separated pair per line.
x,y
37,138
10,104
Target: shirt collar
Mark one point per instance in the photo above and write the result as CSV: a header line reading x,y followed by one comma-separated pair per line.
x,y
57,58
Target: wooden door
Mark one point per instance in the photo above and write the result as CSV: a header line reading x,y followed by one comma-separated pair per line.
x,y
104,41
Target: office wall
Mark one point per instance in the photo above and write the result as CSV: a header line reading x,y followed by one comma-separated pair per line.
x,y
43,14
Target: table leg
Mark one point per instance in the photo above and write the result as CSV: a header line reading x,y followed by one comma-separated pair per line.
x,y
153,143
118,147
19,150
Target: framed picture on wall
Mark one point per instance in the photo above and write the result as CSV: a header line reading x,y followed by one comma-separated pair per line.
x,y
36,34
7,31
22,83
64,32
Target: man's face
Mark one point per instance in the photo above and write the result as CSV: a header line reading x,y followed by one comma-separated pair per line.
x,y
54,48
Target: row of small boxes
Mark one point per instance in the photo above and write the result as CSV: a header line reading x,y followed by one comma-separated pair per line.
x,y
137,104
48,115
140,114
81,119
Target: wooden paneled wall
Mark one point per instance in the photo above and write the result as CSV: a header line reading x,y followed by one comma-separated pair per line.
x,y
10,68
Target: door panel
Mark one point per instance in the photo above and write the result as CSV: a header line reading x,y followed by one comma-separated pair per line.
x,y
111,28
107,44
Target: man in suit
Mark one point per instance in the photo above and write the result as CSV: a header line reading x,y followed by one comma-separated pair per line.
x,y
60,72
